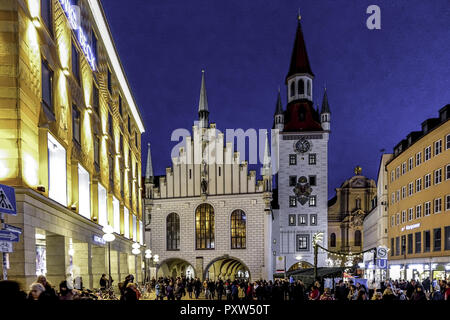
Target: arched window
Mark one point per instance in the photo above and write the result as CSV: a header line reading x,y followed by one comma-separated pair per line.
x,y
333,240
238,229
357,238
309,88
292,88
204,227
173,231
301,87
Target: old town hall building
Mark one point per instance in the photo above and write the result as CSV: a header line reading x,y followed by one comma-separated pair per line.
x,y
210,217
300,160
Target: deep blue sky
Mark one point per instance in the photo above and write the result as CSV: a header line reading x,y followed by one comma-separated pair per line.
x,y
381,84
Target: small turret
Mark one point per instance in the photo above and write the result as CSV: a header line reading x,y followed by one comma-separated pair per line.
x,y
203,113
325,114
278,117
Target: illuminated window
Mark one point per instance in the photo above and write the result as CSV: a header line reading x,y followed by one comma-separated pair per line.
x,y
292,201
47,86
238,229
204,227
116,215
313,201
302,242
292,219
126,223
173,232
134,228
302,219
102,206
292,159
301,86
57,171
84,194
312,159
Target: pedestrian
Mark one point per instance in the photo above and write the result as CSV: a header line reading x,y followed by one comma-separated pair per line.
x,y
326,295
418,294
131,294
190,287
314,294
64,292
103,282
170,291
10,291
178,292
49,292
36,292
436,295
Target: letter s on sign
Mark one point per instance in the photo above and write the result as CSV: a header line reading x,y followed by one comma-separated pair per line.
x,y
374,21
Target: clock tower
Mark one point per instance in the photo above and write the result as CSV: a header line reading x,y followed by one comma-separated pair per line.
x,y
300,143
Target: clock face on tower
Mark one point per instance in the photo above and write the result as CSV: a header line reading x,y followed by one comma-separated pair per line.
x,y
302,146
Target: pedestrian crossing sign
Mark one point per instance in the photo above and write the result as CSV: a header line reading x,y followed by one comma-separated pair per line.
x,y
7,200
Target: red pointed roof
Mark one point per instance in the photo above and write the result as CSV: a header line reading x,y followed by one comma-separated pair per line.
x,y
299,58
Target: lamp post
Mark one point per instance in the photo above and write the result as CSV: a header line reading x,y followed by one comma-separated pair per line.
x,y
148,255
136,251
109,237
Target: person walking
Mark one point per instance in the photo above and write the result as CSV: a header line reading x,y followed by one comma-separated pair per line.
x,y
170,291
36,292
49,292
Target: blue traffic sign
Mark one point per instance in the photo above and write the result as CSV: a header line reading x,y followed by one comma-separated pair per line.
x,y
6,235
7,200
382,263
11,228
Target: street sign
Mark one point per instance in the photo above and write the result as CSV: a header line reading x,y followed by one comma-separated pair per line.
x,y
6,235
7,200
382,263
382,252
12,228
6,246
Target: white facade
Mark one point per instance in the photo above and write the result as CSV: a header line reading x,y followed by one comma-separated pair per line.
x,y
208,173
376,221
285,232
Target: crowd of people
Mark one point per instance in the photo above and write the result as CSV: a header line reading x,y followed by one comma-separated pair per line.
x,y
284,289
227,290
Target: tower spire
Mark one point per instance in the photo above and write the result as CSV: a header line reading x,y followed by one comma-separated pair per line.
x,y
203,112
299,58
325,105
149,167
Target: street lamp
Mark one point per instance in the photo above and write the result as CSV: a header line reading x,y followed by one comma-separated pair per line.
x,y
109,237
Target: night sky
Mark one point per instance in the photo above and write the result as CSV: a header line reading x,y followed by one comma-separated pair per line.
x,y
381,83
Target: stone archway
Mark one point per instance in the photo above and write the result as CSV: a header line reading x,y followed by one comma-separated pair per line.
x,y
226,267
175,267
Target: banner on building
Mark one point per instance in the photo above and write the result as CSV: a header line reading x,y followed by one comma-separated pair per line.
x,y
280,264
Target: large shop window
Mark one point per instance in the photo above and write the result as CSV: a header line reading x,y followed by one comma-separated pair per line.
x,y
116,215
134,229
173,232
204,227
84,194
57,171
102,206
126,223
238,229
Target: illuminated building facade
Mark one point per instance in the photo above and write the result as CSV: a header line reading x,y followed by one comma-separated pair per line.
x,y
70,135
419,202
208,216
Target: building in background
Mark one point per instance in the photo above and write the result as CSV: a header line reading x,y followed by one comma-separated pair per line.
x,y
419,202
346,213
301,160
209,217
375,224
70,135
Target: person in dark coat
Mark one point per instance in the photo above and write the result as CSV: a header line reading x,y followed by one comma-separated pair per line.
x,y
341,291
49,293
10,291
